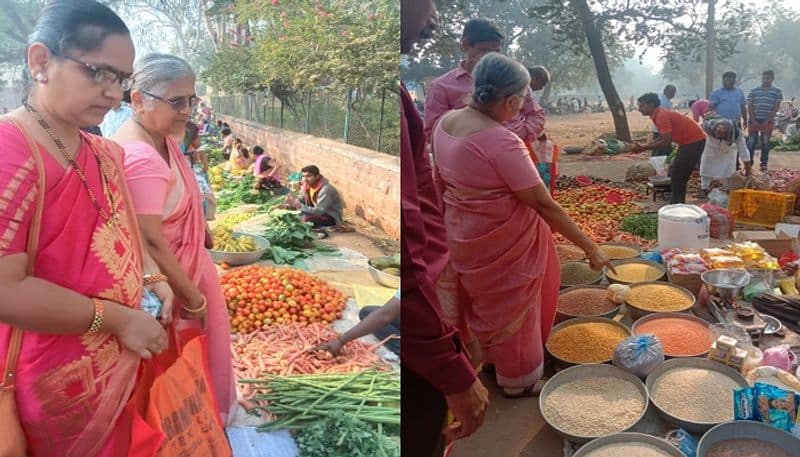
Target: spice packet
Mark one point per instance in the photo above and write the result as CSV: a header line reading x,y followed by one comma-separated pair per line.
x,y
775,406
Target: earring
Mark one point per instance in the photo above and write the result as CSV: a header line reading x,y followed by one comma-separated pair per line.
x,y
41,78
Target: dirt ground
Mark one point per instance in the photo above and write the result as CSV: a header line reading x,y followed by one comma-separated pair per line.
x,y
515,427
366,239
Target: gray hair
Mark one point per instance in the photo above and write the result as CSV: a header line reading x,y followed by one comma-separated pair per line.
x,y
496,77
153,71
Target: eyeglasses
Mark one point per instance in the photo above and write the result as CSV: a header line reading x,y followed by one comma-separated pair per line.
x,y
177,103
103,75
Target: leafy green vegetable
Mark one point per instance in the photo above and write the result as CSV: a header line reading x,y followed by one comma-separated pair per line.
x,y
240,192
345,435
291,239
641,225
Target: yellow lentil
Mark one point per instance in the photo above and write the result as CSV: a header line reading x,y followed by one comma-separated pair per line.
x,y
618,252
591,342
636,272
660,298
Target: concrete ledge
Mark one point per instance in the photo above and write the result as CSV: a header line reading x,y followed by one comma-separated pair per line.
x,y
369,181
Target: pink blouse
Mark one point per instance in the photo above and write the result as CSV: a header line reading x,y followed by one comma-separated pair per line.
x,y
154,185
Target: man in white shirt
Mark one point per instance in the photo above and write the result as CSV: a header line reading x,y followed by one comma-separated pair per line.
x,y
666,102
792,134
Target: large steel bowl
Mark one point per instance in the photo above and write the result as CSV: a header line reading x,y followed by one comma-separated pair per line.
x,y
629,438
725,283
748,430
687,317
384,279
583,372
690,362
637,250
637,312
561,363
596,280
241,258
562,316
615,280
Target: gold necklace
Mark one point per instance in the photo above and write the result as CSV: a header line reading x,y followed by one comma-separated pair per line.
x,y
114,217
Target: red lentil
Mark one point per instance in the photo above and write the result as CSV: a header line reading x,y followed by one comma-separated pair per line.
x,y
585,302
679,337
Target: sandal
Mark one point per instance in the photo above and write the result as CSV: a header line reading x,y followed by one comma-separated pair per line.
x,y
532,390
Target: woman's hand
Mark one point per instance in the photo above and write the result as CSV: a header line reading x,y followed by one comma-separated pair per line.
x,y
334,347
198,303
164,293
136,330
209,240
598,260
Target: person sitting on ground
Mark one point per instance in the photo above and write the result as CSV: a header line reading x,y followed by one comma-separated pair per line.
x,y
699,108
241,160
725,140
227,143
673,127
381,321
263,164
792,134
320,203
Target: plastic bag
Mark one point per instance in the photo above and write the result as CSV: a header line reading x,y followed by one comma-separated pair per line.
x,y
681,439
639,354
618,293
718,197
775,406
781,357
721,221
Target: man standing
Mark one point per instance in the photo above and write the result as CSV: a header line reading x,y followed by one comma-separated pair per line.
x,y
728,101
665,98
450,91
674,126
436,374
762,104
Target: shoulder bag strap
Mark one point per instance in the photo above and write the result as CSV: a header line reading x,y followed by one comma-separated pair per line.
x,y
33,241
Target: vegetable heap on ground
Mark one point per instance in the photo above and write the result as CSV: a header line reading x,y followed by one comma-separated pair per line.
x,y
344,434
641,225
598,210
241,191
258,297
290,238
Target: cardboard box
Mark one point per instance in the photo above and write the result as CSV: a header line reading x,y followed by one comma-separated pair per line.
x,y
776,243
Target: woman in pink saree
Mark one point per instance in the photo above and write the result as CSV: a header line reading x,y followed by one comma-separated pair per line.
x,y
64,201
168,203
503,279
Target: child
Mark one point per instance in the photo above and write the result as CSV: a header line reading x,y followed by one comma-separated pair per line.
x,y
545,155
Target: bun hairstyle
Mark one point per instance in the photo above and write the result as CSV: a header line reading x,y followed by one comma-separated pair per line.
x,y
496,77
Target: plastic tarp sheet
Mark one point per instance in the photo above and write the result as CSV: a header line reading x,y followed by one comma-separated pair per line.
x,y
248,442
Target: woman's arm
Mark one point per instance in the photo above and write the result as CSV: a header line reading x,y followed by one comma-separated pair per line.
x,y
376,320
159,249
538,197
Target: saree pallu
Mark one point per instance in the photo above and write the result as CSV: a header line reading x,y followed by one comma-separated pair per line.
x,y
72,389
502,281
184,230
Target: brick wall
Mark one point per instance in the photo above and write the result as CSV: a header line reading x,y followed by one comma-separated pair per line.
x,y
369,181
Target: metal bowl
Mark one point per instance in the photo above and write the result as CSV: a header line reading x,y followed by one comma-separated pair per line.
x,y
583,372
637,312
635,247
748,430
382,278
596,280
688,317
614,280
725,283
690,362
629,438
561,363
241,258
562,316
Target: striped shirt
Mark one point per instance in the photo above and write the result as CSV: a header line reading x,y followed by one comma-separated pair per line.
x,y
763,102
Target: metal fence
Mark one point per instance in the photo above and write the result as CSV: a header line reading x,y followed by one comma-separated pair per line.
x,y
369,119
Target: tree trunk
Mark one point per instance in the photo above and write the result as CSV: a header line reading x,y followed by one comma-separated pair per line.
x,y
208,20
710,38
595,40
546,94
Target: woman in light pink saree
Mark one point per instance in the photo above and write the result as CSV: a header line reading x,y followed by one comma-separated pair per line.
x,y
65,209
168,203
503,279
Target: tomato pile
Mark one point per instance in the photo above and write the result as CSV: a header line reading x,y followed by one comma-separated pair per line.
x,y
258,297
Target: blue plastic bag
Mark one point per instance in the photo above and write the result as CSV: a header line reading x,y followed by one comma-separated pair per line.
x,y
639,354
653,256
681,439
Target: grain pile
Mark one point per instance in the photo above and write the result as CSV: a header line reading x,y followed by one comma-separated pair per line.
x,y
594,407
679,337
659,298
578,273
695,394
636,272
628,450
741,447
592,342
585,302
567,252
618,252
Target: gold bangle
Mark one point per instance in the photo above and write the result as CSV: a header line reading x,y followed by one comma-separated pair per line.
x,y
200,308
154,278
97,319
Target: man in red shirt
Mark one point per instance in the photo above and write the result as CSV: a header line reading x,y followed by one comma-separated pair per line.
x,y
436,373
450,91
674,127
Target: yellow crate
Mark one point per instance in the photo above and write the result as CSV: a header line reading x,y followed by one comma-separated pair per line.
x,y
760,207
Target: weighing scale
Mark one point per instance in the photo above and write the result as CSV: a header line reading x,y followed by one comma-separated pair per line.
x,y
724,286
